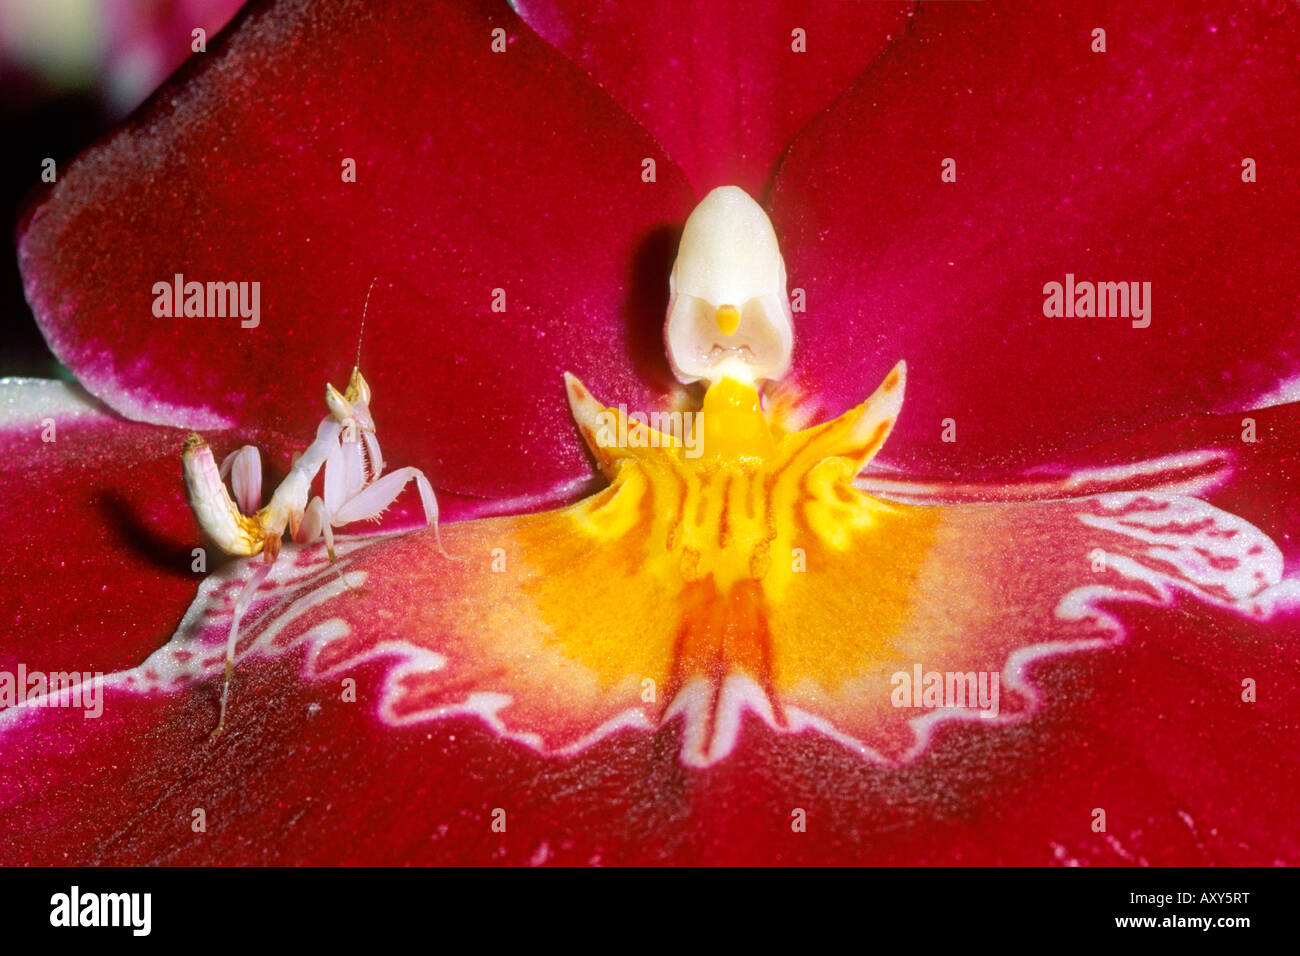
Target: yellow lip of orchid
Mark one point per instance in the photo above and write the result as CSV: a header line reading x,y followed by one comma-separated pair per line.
x,y
731,516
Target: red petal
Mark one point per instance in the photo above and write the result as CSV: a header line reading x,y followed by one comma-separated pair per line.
x,y
1115,166
97,554
1121,729
475,171
720,84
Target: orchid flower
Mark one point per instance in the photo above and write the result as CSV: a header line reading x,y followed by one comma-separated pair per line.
x,y
736,634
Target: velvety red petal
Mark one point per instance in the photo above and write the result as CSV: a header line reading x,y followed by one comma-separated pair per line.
x,y
303,774
475,171
1122,166
721,85
97,551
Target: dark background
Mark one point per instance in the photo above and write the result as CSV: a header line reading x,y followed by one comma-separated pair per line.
x,y
34,129
51,109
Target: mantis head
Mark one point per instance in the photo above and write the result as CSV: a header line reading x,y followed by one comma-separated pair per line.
x,y
351,408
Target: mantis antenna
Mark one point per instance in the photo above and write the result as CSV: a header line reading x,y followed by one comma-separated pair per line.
x,y
364,308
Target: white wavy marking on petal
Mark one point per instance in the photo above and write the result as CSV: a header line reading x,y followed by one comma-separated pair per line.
x,y
738,695
184,659
1189,554
1086,602
487,707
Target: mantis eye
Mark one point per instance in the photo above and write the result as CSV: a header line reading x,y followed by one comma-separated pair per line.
x,y
340,408
728,313
358,389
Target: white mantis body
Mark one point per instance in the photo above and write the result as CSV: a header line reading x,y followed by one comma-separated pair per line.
x,y
355,489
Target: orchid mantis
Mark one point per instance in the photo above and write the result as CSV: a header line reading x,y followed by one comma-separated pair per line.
x,y
345,447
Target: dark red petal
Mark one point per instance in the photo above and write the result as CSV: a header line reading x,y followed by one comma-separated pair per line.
x,y
475,171
97,549
1116,166
1121,729
720,84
